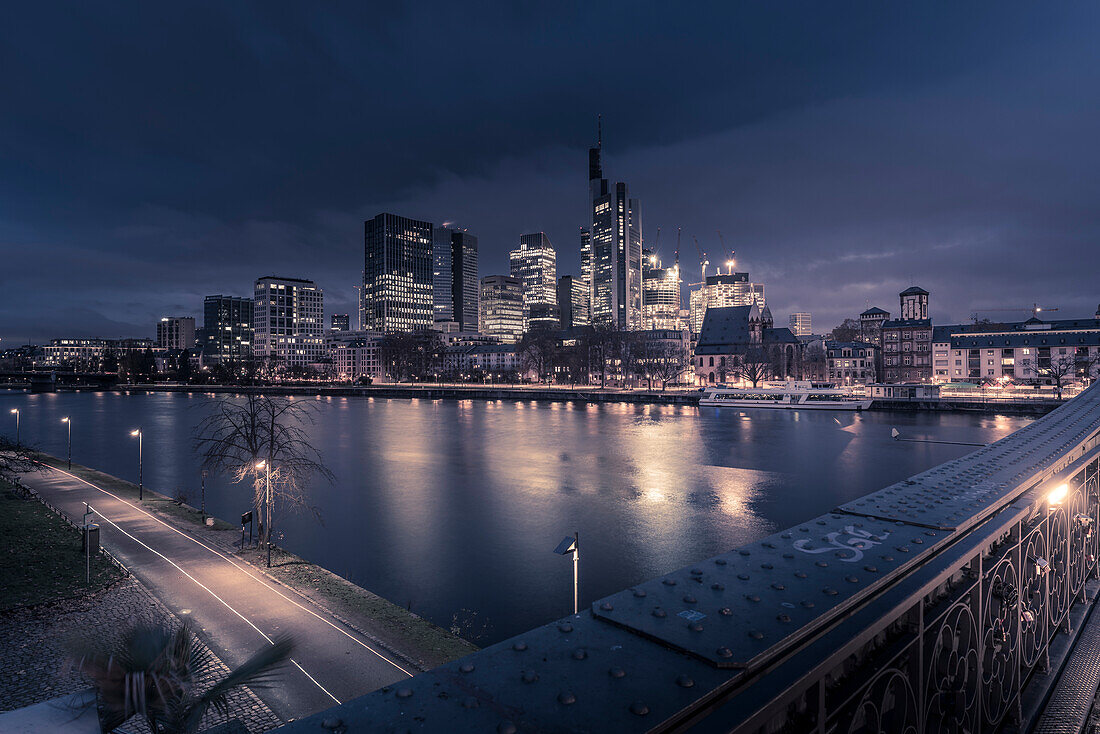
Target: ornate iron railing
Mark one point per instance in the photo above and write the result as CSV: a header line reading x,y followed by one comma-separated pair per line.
x,y
930,606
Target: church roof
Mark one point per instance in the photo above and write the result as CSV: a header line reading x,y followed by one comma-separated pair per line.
x,y
875,311
914,291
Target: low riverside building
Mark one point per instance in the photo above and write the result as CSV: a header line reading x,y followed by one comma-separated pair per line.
x,y
734,335
850,363
1025,352
907,341
87,354
355,354
493,361
176,332
227,329
290,318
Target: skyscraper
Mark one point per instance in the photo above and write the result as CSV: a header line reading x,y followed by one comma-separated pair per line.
x,y
501,308
341,322
586,266
660,294
534,263
616,241
397,274
573,301
290,320
227,328
721,290
454,280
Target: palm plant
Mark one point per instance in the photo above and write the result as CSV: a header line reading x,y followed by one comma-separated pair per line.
x,y
154,672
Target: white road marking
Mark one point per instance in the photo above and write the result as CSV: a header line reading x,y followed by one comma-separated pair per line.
x,y
234,563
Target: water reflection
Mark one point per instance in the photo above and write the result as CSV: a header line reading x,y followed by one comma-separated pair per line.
x,y
450,505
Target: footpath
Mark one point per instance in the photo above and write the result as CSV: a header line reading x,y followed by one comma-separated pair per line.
x,y
349,641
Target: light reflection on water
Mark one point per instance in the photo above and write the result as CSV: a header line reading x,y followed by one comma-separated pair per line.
x,y
451,505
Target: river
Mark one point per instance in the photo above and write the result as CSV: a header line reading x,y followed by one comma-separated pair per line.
x,y
453,508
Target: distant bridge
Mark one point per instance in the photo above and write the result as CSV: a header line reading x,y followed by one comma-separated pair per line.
x,y
958,600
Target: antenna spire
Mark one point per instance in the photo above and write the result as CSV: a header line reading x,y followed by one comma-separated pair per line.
x,y
599,130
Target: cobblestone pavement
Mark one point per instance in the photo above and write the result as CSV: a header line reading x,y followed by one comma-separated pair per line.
x,y
34,644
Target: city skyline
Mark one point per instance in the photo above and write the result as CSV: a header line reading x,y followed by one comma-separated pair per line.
x,y
869,161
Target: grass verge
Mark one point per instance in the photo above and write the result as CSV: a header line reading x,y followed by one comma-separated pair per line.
x,y
399,629
41,559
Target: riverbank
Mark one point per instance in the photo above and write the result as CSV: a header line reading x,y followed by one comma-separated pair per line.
x,y
394,628
596,395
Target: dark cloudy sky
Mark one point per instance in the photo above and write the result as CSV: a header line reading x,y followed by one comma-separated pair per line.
x,y
153,153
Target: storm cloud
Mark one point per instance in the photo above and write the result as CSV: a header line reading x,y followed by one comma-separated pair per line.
x,y
151,154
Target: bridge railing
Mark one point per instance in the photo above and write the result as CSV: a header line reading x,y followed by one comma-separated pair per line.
x,y
931,605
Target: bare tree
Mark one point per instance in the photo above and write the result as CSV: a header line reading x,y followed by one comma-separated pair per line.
x,y
538,350
1061,369
754,365
16,460
663,360
263,439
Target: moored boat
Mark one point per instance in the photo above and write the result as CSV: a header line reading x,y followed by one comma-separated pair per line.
x,y
792,395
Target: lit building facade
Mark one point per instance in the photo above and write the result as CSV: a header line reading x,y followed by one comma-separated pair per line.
x,y
501,308
907,341
1018,352
88,353
355,354
534,264
397,274
660,294
721,291
176,333
341,322
289,320
800,324
850,363
586,267
227,328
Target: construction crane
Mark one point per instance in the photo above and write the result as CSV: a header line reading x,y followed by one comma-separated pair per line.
x,y
703,262
1035,309
730,262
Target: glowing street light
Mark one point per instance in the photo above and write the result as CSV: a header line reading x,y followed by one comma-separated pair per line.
x,y
16,412
69,424
262,464
141,486
1058,494
572,545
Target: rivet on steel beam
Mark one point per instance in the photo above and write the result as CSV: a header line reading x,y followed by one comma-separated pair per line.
x,y
778,587
752,597
696,572
744,552
659,613
719,561
800,574
470,702
783,618
616,672
565,627
807,603
756,634
821,564
725,612
606,606
717,587
689,599
506,727
639,709
768,545
724,652
695,626
829,591
851,579
640,593
332,723
743,576
529,676
519,646
466,667
767,566
404,692
872,569
668,582
684,681
566,698
580,653
788,555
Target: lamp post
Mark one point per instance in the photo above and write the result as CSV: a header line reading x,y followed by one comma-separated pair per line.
x,y
69,424
572,545
203,491
16,411
263,464
141,486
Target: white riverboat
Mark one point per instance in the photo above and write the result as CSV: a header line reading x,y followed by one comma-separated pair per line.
x,y
792,395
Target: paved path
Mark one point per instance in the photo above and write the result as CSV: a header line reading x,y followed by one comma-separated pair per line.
x,y
236,608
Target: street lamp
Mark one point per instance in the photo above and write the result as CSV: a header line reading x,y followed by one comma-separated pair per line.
x,y
141,486
572,545
16,411
262,464
69,424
